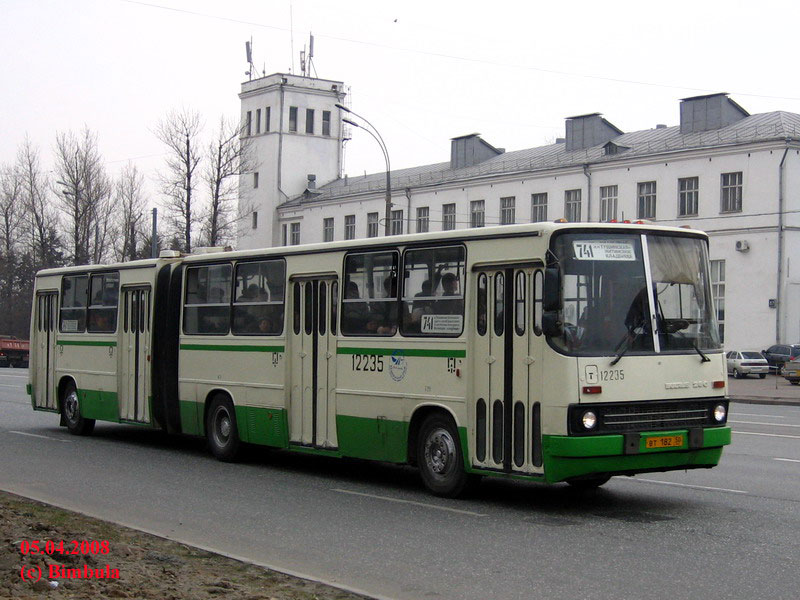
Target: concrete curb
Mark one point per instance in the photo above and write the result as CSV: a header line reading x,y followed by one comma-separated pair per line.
x,y
764,400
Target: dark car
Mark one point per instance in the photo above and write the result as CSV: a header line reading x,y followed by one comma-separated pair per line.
x,y
779,354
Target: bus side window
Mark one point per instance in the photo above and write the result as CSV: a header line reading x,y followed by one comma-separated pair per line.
x,y
369,306
433,291
74,297
520,290
334,305
207,307
104,294
258,298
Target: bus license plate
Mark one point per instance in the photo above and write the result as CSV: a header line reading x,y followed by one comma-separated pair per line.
x,y
664,441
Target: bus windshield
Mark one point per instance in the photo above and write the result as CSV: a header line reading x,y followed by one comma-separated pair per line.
x,y
614,283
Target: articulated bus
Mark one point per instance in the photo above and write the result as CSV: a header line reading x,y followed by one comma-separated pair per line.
x,y
552,352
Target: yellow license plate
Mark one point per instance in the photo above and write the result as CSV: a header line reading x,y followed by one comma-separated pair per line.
x,y
664,441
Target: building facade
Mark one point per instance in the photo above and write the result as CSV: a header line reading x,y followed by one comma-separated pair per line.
x,y
722,170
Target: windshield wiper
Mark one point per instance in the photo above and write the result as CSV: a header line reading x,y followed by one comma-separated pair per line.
x,y
703,356
625,343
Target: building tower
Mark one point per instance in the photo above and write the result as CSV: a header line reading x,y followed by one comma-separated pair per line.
x,y
295,132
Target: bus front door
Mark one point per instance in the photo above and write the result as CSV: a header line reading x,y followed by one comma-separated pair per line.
x,y
312,402
507,373
134,355
44,367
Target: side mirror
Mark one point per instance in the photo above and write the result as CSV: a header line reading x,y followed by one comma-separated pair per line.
x,y
551,325
552,299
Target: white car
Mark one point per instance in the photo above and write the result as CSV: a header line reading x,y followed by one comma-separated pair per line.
x,y
742,364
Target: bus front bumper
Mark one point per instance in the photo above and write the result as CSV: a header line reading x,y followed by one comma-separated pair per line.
x,y
569,457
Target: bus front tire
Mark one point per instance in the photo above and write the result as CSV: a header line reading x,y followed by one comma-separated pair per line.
x,y
71,411
589,483
439,457
221,429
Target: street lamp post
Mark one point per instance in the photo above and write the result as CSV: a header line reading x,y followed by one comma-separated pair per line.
x,y
377,136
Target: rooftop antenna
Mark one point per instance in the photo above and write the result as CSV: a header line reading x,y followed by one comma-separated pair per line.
x,y
311,55
251,68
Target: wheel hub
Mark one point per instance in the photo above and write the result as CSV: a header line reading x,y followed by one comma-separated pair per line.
x,y
439,451
71,406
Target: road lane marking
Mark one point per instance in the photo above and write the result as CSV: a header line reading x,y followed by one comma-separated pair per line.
x,y
400,501
770,424
788,459
44,437
688,485
794,437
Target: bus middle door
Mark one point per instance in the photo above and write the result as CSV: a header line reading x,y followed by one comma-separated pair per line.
x,y
44,344
312,409
134,346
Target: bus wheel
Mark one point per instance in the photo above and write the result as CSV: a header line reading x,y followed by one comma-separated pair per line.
x,y
71,411
439,457
221,430
589,483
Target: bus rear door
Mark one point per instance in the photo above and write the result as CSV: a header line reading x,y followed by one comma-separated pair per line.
x,y
44,366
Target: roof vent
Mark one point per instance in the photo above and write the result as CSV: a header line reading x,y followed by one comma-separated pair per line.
x,y
705,113
468,150
560,140
661,126
585,131
312,181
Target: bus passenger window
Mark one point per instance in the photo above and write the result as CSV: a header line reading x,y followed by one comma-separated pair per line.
x,y
482,308
258,298
207,305
74,293
104,295
520,289
369,306
538,278
433,292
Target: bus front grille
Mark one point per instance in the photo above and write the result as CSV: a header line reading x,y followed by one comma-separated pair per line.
x,y
625,417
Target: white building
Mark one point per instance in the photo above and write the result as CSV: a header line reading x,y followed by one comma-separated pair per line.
x,y
722,170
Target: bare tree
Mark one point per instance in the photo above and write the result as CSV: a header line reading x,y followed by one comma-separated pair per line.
x,y
227,157
128,193
84,195
11,228
179,131
42,224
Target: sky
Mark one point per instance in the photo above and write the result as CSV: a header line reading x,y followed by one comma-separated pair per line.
x,y
422,72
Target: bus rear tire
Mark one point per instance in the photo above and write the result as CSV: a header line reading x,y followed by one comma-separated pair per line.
x,y
439,457
221,429
589,483
71,411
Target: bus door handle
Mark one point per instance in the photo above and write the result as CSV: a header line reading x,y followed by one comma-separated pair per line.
x,y
490,360
328,355
302,355
529,360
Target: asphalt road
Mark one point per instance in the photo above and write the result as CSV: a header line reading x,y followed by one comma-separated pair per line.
x,y
731,532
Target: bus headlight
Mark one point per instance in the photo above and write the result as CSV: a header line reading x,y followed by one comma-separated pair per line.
x,y
720,413
588,420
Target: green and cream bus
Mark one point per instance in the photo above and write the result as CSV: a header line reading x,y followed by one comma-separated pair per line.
x,y
550,351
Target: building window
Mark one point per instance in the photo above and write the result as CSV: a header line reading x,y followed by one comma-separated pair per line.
x,y
310,120
285,235
477,213
718,291
326,122
267,112
507,210
572,206
327,229
258,120
372,225
292,118
646,200
255,180
294,238
732,192
608,203
538,207
248,123
350,227
688,194
423,219
396,222
448,217
255,219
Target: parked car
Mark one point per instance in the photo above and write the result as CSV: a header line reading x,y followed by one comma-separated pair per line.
x,y
779,354
791,372
742,364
